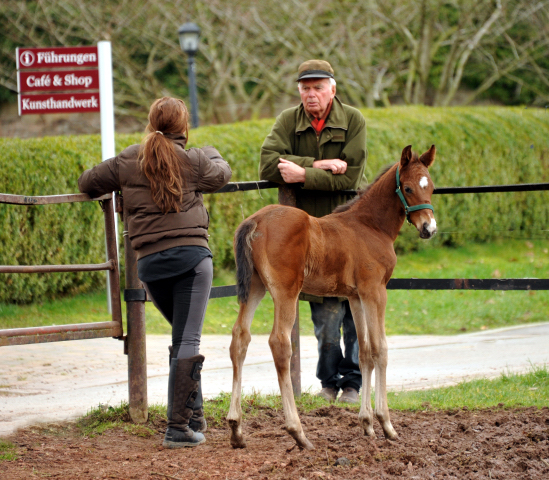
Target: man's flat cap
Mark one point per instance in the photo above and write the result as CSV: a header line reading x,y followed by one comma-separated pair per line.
x,y
315,69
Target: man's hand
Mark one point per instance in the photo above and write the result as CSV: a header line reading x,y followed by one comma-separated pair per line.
x,y
335,165
291,172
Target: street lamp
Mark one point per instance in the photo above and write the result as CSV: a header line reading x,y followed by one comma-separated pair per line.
x,y
188,39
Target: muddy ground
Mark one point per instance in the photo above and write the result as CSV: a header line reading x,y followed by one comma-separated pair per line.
x,y
461,444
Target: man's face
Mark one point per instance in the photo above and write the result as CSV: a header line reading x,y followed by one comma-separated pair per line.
x,y
316,94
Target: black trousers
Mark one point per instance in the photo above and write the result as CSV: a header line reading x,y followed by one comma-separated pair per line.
x,y
182,300
335,368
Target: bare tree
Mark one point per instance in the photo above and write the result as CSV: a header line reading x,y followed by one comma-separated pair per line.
x,y
507,57
456,30
417,50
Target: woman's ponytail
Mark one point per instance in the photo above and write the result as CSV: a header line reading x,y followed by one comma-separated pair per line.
x,y
159,161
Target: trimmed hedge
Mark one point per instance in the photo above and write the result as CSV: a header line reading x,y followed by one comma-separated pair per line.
x,y
475,146
49,234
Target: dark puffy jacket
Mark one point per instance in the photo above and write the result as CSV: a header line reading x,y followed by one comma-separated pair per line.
x,y
151,231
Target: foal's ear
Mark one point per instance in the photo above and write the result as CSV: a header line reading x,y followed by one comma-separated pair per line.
x,y
406,156
428,157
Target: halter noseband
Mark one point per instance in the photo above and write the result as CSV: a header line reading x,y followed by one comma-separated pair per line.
x,y
408,209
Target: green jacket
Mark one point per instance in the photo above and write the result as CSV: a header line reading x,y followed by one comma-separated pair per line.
x,y
294,138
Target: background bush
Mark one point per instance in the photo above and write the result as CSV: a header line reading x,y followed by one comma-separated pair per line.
x,y
475,146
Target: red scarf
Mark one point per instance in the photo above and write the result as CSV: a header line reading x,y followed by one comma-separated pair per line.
x,y
318,123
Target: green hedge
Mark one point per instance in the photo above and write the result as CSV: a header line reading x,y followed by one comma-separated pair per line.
x,y
50,234
475,146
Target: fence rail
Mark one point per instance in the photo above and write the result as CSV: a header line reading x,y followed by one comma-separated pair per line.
x,y
57,333
520,187
48,199
436,284
88,267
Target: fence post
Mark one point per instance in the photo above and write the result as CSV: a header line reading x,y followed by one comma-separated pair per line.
x,y
113,276
286,196
134,295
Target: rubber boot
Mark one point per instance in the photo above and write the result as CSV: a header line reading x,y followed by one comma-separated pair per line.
x,y
182,392
198,422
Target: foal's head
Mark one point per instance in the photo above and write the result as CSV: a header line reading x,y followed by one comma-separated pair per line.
x,y
417,187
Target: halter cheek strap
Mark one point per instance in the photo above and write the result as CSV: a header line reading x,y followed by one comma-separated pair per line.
x,y
408,209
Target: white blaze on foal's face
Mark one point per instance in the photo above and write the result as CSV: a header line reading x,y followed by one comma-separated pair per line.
x,y
432,226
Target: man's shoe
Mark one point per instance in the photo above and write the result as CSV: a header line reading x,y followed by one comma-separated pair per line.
x,y
328,393
349,395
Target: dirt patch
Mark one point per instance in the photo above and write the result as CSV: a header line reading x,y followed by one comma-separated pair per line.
x,y
497,444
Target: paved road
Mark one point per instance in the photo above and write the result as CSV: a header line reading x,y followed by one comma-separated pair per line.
x,y
61,381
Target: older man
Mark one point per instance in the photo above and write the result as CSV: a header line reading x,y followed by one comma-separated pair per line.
x,y
320,147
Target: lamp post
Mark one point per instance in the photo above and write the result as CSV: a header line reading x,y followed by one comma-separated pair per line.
x,y
188,39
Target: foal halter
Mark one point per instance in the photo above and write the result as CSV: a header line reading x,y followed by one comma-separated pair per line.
x,y
408,209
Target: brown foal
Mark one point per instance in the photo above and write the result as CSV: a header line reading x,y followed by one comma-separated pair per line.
x,y
348,253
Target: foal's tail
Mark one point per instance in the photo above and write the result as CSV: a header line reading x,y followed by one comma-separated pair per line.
x,y
243,258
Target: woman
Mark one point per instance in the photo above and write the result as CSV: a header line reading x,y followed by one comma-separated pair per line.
x,y
161,184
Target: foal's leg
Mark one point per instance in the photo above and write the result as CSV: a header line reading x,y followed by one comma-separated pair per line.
x,y
239,347
366,415
378,345
281,347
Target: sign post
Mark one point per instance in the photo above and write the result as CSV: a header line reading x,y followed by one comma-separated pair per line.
x,y
70,80
107,121
107,100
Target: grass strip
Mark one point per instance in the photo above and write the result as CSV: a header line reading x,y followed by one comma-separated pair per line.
x,y
8,451
506,391
106,417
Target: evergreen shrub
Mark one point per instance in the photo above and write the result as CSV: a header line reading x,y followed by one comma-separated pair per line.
x,y
475,146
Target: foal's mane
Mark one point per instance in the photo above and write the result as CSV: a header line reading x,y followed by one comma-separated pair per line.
x,y
361,193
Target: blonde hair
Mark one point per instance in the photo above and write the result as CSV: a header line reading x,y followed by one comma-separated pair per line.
x,y
158,159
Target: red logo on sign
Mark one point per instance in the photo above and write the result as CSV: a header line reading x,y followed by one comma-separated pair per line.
x,y
27,59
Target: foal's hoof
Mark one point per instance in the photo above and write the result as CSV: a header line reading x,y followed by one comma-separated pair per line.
x,y
305,444
390,434
238,442
369,431
300,439
237,439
